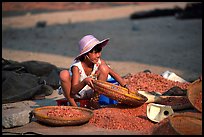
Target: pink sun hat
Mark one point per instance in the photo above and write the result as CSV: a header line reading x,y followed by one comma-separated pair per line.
x,y
88,42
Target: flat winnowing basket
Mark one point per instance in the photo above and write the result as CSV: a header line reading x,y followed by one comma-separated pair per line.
x,y
186,123
119,93
194,93
41,115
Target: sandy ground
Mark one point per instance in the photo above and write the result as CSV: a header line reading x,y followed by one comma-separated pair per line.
x,y
157,44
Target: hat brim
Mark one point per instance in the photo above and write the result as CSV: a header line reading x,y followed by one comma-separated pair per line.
x,y
103,43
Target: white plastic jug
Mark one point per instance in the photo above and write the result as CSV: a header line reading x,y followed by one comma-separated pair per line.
x,y
158,112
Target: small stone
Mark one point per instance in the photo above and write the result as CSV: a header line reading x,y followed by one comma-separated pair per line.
x,y
13,117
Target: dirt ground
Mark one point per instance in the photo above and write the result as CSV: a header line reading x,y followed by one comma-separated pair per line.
x,y
157,44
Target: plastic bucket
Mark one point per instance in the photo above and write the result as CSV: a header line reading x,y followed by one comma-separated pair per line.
x,y
104,100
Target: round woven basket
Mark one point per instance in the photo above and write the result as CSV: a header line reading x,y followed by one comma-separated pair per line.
x,y
187,123
194,93
41,115
119,93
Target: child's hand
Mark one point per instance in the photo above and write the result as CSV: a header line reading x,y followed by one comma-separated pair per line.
x,y
88,81
129,88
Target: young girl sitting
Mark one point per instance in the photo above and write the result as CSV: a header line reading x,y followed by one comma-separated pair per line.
x,y
88,65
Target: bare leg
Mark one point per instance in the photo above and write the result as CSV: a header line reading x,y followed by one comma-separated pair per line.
x,y
102,74
65,79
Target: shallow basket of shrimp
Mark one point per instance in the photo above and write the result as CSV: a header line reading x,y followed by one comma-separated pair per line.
x,y
119,93
62,115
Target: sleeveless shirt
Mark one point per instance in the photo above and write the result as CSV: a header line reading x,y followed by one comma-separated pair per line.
x,y
86,92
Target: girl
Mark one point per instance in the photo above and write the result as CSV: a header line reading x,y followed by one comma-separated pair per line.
x,y
77,82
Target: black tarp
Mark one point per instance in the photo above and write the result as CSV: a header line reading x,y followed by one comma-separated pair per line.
x,y
24,80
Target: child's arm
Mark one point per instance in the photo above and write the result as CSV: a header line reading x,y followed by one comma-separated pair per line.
x,y
117,77
120,80
75,82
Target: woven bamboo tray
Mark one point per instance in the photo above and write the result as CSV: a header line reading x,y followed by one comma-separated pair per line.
x,y
76,115
194,93
119,93
187,123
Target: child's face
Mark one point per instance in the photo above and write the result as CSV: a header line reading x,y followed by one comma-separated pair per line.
x,y
95,54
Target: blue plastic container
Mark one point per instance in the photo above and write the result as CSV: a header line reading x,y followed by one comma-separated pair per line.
x,y
104,100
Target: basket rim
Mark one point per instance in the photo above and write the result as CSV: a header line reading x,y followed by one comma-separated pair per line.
x,y
198,82
185,115
130,96
58,121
